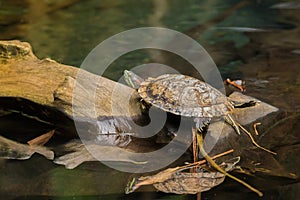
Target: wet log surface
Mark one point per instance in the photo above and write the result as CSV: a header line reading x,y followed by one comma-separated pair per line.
x,y
50,84
38,94
43,90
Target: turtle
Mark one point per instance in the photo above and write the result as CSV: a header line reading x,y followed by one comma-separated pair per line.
x,y
185,96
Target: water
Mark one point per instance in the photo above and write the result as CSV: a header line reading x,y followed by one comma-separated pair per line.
x,y
246,39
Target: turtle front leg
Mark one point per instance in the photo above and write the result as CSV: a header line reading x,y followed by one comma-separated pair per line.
x,y
201,123
229,119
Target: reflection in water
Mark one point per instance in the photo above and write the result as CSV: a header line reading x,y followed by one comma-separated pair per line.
x,y
67,30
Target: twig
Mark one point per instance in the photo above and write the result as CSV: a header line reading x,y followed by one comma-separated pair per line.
x,y
253,141
255,127
42,139
279,122
201,162
195,148
195,155
217,167
235,84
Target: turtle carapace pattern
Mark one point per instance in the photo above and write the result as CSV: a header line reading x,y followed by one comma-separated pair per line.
x,y
184,95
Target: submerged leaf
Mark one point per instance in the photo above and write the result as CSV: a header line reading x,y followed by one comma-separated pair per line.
x,y
190,183
173,180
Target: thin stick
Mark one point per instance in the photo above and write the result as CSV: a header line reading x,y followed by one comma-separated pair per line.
x,y
201,162
217,167
233,83
195,148
42,139
253,141
195,158
199,196
255,127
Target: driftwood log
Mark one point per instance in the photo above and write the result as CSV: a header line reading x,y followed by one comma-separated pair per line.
x,y
43,89
50,84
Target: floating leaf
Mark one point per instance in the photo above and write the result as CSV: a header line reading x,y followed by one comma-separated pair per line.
x,y
166,179
190,183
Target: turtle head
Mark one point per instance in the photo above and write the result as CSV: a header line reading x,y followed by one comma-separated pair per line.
x,y
132,79
131,186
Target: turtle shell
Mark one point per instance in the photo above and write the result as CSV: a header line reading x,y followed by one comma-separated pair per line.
x,y
184,95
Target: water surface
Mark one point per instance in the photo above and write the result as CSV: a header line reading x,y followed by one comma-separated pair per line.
x,y
250,40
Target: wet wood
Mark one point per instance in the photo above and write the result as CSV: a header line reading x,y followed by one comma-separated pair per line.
x,y
84,153
14,150
43,90
41,140
50,84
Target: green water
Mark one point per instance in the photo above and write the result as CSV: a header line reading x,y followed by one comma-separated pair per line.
x,y
67,31
70,33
